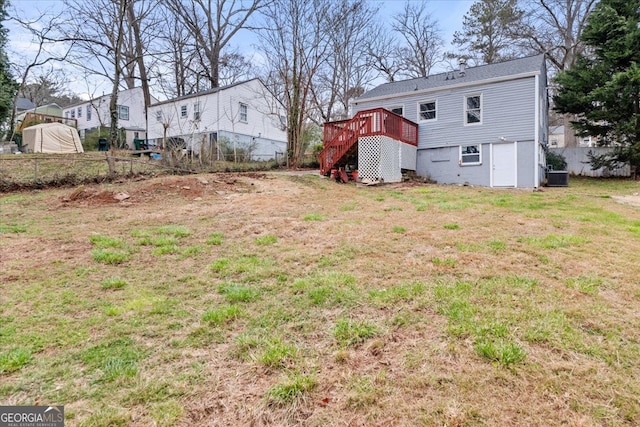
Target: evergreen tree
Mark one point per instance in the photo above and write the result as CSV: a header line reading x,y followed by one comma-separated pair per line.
x,y
603,87
489,31
8,85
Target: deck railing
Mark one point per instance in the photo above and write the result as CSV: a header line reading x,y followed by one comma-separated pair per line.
x,y
31,118
340,136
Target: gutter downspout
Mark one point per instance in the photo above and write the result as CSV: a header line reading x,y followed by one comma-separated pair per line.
x,y
536,136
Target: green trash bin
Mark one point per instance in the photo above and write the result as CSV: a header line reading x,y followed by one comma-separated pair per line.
x,y
138,144
103,144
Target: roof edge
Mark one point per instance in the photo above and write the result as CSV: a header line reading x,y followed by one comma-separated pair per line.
x,y
449,87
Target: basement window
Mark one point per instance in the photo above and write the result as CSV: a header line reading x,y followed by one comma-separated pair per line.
x,y
470,155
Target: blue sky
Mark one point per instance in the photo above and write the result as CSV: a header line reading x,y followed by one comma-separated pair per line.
x,y
448,13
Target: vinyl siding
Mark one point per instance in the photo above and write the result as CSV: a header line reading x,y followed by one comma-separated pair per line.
x,y
220,113
132,98
507,107
441,165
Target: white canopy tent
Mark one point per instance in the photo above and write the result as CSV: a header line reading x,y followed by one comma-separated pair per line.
x,y
54,138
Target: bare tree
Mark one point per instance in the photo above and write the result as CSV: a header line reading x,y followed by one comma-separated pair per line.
x,y
97,29
212,24
423,47
295,41
42,30
48,85
554,27
347,70
177,61
385,55
234,68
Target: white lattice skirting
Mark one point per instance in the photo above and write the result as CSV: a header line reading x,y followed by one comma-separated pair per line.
x,y
383,158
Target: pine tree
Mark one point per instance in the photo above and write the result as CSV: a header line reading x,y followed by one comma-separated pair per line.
x,y
8,85
489,31
603,87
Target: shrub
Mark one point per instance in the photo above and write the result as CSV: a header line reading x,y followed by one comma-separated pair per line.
x,y
556,162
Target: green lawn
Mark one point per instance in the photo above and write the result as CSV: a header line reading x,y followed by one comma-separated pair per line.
x,y
277,300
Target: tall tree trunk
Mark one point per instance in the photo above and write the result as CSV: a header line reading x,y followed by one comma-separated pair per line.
x,y
570,139
113,103
135,25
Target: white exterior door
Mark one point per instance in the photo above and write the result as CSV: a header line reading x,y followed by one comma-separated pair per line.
x,y
504,165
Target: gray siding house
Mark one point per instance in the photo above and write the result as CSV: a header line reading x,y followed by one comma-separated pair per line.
x,y
484,125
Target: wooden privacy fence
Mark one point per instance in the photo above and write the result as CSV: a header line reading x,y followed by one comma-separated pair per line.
x,y
577,159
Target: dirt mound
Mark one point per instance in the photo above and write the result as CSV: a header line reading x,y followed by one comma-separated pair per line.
x,y
188,187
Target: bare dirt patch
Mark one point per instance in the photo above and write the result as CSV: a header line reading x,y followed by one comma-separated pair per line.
x,y
162,188
632,200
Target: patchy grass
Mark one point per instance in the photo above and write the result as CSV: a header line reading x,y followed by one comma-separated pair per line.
x,y
291,388
215,238
350,332
493,304
14,359
114,283
313,217
222,314
266,240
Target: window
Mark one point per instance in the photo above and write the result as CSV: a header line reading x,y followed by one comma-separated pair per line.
x,y
196,111
66,114
88,112
73,113
79,112
470,154
183,111
473,110
243,113
158,116
554,142
123,112
427,110
397,110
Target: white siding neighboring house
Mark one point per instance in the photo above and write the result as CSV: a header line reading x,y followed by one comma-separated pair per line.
x,y
243,115
483,125
556,136
94,113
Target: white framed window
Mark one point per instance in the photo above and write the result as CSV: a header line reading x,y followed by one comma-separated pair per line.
x,y
427,110
399,110
123,112
159,116
196,111
88,112
183,111
244,113
470,154
73,113
79,112
473,109
66,114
